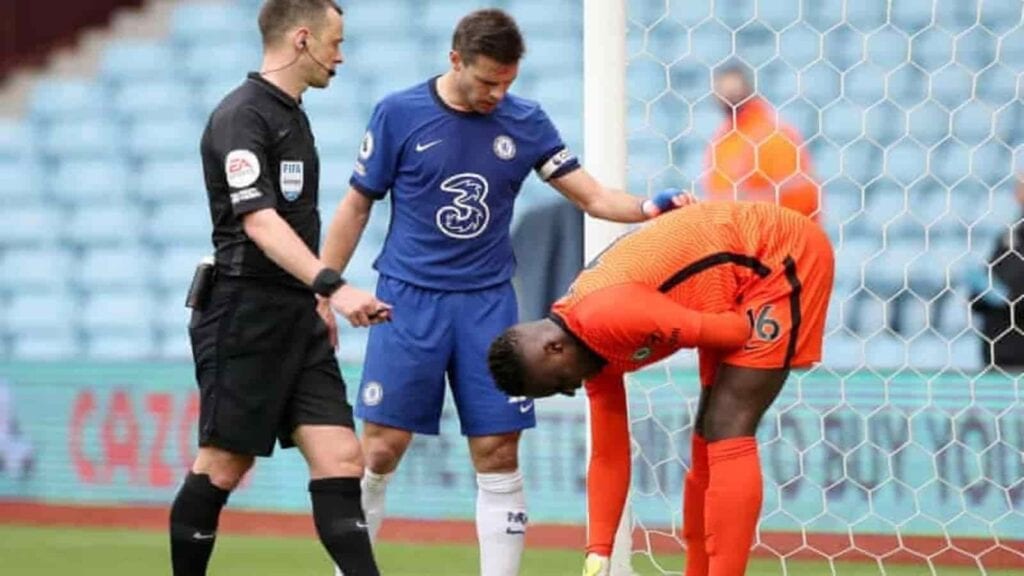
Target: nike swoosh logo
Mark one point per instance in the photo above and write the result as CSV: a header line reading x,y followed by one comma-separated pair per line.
x,y
513,531
201,536
524,407
361,525
422,147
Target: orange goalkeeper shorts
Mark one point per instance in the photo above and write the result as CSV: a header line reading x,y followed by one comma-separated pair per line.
x,y
786,310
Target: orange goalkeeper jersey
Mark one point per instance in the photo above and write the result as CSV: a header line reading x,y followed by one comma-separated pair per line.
x,y
681,281
746,283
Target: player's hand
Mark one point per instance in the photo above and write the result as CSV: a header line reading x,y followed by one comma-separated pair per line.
x,y
666,200
596,565
359,307
323,308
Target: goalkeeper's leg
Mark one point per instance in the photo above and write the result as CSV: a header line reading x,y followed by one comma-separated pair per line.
x,y
732,505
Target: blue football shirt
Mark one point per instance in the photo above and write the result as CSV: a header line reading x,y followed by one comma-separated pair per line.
x,y
453,178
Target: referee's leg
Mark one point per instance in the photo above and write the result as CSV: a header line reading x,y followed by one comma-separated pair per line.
x,y
335,464
196,509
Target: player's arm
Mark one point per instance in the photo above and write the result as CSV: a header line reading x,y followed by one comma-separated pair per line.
x,y
618,320
608,471
346,229
600,201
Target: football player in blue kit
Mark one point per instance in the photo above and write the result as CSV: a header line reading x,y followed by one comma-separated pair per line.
x,y
453,153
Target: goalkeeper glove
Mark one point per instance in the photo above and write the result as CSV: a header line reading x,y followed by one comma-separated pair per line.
x,y
666,200
596,565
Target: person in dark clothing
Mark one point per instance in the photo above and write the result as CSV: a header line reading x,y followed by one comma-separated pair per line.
x,y
997,299
262,342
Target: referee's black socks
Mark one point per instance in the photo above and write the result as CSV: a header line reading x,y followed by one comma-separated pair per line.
x,y
194,518
340,523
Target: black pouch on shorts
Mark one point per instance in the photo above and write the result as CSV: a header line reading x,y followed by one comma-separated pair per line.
x,y
202,285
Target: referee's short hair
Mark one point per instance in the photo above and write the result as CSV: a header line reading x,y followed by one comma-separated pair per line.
x,y
491,33
279,16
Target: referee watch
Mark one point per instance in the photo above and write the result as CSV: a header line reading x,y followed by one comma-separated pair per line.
x,y
327,282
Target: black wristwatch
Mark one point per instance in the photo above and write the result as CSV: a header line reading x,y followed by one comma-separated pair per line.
x,y
327,282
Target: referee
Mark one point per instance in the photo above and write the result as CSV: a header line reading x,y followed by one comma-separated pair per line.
x,y
263,345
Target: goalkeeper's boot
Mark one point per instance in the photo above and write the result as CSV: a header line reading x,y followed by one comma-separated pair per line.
x,y
596,565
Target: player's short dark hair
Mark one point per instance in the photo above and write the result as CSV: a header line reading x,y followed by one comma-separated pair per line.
x,y
279,16
491,33
506,363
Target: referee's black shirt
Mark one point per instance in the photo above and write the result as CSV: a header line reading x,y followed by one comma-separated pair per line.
x,y
258,152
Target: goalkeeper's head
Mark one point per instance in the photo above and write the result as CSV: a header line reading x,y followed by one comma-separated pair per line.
x,y
538,359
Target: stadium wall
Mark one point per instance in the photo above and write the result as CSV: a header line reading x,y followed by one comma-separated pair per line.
x,y
941,460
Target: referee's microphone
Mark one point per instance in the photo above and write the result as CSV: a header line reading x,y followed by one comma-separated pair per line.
x,y
330,71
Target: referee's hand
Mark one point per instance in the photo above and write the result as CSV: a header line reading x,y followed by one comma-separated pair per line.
x,y
323,308
359,307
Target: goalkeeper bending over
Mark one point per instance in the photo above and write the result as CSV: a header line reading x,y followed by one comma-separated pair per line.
x,y
748,285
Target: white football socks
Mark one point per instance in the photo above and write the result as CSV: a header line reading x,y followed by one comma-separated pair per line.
x,y
374,487
500,522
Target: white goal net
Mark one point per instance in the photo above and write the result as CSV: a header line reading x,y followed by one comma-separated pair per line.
x,y
906,445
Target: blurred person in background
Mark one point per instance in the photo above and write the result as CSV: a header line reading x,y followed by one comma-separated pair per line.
x,y
754,155
453,152
996,292
262,343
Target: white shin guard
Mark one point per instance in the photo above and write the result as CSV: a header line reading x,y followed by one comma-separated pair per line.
x,y
500,522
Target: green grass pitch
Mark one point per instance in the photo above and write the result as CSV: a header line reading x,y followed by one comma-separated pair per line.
x,y
99,552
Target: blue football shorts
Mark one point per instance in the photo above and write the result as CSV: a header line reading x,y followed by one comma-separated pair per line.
x,y
434,334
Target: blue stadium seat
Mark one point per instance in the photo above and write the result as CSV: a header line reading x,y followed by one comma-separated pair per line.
x,y
913,315
929,124
104,224
842,122
952,314
123,267
198,23
952,86
886,351
862,161
180,223
57,99
120,347
966,353
906,161
35,268
171,181
87,181
842,203
927,351
997,85
887,274
887,47
384,19
844,351
225,61
46,347
800,46
992,163
29,223
155,98
165,138
443,16
931,49
975,49
885,123
710,43
561,18
175,345
950,162
125,61
21,180
117,311
911,16
177,263
212,90
42,312
17,139
84,137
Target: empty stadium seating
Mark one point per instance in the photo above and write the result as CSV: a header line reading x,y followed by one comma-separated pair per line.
x,y
910,116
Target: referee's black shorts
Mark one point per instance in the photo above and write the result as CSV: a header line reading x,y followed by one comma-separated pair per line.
x,y
264,365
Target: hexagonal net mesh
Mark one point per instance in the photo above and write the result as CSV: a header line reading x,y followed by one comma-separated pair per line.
x,y
906,444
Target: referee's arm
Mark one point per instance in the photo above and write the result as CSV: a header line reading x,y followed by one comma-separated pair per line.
x,y
281,244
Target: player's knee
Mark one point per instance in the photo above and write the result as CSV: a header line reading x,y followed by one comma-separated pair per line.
x,y
722,424
495,454
225,469
381,456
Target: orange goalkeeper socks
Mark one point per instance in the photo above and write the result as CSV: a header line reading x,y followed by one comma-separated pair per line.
x,y
732,505
693,508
